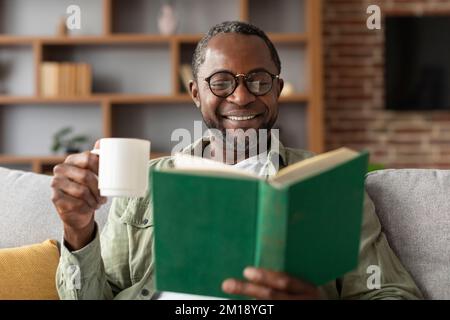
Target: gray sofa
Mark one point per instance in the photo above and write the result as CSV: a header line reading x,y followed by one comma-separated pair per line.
x,y
27,214
413,206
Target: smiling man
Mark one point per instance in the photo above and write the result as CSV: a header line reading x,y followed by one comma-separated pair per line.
x,y
236,88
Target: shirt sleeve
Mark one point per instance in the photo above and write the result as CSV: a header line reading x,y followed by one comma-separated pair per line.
x,y
81,274
380,274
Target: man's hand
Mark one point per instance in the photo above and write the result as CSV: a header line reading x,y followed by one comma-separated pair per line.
x,y
76,197
270,285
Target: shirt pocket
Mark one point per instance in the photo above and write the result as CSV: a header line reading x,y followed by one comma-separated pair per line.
x,y
139,221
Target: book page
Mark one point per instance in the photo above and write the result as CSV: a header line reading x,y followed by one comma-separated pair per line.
x,y
188,163
312,166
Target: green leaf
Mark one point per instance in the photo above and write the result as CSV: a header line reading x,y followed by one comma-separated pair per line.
x,y
56,146
79,139
63,132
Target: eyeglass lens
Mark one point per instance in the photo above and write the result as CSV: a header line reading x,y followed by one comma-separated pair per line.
x,y
223,83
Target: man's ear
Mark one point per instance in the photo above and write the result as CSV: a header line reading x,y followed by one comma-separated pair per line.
x,y
280,86
193,88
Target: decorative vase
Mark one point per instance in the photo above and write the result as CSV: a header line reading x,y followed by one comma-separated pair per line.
x,y
167,19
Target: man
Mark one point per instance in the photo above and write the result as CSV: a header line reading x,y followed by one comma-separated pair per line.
x,y
236,86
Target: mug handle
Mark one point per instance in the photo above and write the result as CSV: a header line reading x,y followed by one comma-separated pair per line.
x,y
95,151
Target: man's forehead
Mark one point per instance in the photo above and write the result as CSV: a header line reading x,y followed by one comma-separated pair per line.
x,y
237,53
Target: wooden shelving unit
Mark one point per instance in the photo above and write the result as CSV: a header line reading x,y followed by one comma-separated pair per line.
x,y
39,164
310,40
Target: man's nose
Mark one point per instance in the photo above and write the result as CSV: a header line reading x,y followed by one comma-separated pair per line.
x,y
241,96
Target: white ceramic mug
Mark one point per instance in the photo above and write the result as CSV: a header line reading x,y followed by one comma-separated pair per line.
x,y
123,167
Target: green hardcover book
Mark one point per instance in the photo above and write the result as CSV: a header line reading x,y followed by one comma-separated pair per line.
x,y
212,222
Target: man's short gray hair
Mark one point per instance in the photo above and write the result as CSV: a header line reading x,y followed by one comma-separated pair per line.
x,y
231,27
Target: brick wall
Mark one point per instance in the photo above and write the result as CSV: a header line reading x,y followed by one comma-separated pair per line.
x,y
354,94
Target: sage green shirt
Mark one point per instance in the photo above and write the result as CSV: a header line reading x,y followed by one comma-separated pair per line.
x,y
119,262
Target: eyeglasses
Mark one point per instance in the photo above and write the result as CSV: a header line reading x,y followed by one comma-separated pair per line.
x,y
223,83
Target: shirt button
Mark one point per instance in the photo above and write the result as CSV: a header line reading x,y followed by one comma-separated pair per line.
x,y
145,292
145,221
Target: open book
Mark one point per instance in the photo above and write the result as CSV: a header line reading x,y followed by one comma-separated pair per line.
x,y
212,220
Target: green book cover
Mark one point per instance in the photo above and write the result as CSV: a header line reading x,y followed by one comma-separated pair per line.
x,y
211,224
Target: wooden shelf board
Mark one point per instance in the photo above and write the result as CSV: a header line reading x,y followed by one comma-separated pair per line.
x,y
138,99
49,159
81,40
105,40
16,40
97,98
12,159
288,37
118,99
47,100
131,39
295,98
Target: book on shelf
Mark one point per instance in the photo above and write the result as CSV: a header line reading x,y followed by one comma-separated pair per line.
x,y
64,83
305,220
49,79
65,79
186,75
86,79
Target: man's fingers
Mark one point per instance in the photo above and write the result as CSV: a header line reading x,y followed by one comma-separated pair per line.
x,y
97,144
85,160
81,176
233,286
76,190
67,203
277,280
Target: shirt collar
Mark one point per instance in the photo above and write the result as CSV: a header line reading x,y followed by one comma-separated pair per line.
x,y
277,152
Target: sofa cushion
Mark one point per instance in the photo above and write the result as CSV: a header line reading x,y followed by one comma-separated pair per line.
x,y
413,206
28,272
27,214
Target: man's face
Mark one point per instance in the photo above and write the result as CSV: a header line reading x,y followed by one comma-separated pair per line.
x,y
238,54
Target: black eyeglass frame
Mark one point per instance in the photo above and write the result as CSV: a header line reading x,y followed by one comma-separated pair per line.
x,y
236,79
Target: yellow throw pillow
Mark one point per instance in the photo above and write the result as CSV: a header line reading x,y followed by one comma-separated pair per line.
x,y
28,273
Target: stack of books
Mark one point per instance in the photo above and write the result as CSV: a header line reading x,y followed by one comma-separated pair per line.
x,y
65,79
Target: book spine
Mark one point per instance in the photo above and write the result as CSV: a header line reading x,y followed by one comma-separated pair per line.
x,y
44,79
272,223
53,80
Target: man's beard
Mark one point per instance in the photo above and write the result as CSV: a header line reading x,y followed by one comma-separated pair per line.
x,y
241,143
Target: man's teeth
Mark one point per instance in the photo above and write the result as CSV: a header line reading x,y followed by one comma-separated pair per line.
x,y
241,118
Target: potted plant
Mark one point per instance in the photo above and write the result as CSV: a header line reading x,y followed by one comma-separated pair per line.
x,y
63,141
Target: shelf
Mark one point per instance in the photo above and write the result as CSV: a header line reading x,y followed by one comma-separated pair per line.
x,y
50,159
132,39
38,164
11,100
13,159
98,98
118,98
94,40
44,164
